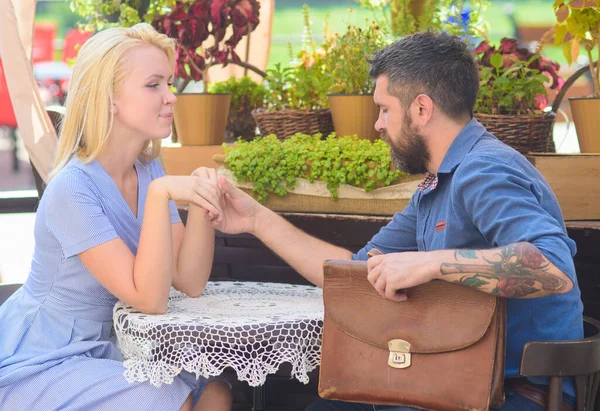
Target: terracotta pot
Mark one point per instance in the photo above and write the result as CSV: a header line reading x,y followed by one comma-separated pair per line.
x,y
354,114
585,111
200,118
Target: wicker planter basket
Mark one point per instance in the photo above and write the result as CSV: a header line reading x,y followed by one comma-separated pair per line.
x,y
286,123
529,133
525,133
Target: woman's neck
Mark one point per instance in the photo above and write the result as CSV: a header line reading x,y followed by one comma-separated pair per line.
x,y
118,157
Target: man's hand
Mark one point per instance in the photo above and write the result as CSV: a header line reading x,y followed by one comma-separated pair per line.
x,y
239,210
391,274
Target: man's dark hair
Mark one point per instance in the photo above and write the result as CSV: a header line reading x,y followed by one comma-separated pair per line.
x,y
436,64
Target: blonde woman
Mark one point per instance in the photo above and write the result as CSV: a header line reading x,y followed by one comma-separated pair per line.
x,y
106,230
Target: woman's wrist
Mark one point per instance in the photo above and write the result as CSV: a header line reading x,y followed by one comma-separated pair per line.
x,y
159,188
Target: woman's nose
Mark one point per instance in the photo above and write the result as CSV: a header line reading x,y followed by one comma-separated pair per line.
x,y
170,98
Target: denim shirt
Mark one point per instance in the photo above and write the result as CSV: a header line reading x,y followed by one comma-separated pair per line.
x,y
488,195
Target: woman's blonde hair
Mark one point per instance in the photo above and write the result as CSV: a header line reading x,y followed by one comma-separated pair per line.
x,y
100,70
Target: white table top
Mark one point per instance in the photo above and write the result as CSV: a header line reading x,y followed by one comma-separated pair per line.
x,y
248,326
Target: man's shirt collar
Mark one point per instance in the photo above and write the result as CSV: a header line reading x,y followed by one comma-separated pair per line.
x,y
462,145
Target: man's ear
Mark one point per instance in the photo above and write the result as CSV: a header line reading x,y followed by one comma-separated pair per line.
x,y
423,109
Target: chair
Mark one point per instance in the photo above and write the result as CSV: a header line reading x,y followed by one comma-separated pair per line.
x,y
557,359
6,290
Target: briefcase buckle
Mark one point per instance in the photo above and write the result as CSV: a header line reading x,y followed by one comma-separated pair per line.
x,y
399,354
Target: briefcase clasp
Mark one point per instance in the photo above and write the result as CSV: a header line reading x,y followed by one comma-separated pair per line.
x,y
399,354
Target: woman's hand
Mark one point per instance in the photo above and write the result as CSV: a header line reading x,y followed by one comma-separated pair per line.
x,y
210,174
207,173
202,191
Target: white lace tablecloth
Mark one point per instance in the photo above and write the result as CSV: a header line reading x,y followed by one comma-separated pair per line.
x,y
250,327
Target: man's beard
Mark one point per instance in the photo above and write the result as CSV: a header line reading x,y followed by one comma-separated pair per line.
x,y
408,150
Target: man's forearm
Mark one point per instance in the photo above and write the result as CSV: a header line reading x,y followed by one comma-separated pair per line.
x,y
517,270
301,251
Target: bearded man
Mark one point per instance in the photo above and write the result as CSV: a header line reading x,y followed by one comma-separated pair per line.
x,y
481,202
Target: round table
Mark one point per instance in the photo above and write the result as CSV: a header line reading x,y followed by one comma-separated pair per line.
x,y
251,327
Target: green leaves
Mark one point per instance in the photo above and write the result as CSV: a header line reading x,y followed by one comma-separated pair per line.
x,y
273,166
297,87
243,91
474,282
496,60
577,28
305,83
404,17
509,90
346,57
467,253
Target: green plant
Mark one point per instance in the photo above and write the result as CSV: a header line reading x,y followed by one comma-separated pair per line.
x,y
299,87
124,13
404,17
244,91
246,95
346,58
207,31
578,25
273,166
305,82
512,79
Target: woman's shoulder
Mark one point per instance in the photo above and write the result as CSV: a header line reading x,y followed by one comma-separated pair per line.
x,y
70,180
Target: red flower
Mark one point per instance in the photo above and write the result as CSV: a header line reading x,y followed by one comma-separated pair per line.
x,y
530,256
192,23
541,101
507,45
510,53
515,287
483,47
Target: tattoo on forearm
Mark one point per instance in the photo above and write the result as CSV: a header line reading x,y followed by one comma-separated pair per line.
x,y
517,270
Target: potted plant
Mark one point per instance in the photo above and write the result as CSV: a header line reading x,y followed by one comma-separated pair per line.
x,y
404,17
351,101
296,100
578,31
307,173
207,32
513,95
246,95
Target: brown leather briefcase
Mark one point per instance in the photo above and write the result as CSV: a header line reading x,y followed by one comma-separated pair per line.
x,y
442,349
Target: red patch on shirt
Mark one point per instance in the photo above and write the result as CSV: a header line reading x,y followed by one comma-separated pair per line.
x,y
440,225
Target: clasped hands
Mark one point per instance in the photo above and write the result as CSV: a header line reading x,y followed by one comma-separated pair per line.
x,y
229,210
207,192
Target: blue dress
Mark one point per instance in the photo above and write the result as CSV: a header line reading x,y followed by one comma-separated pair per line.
x,y
57,345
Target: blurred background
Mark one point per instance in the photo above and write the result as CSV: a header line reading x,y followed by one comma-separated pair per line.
x,y
56,40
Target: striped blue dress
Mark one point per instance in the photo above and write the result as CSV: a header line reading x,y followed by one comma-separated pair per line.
x,y
57,346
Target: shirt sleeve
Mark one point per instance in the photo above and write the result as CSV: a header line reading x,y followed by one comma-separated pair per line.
x,y
398,235
156,171
74,214
504,201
